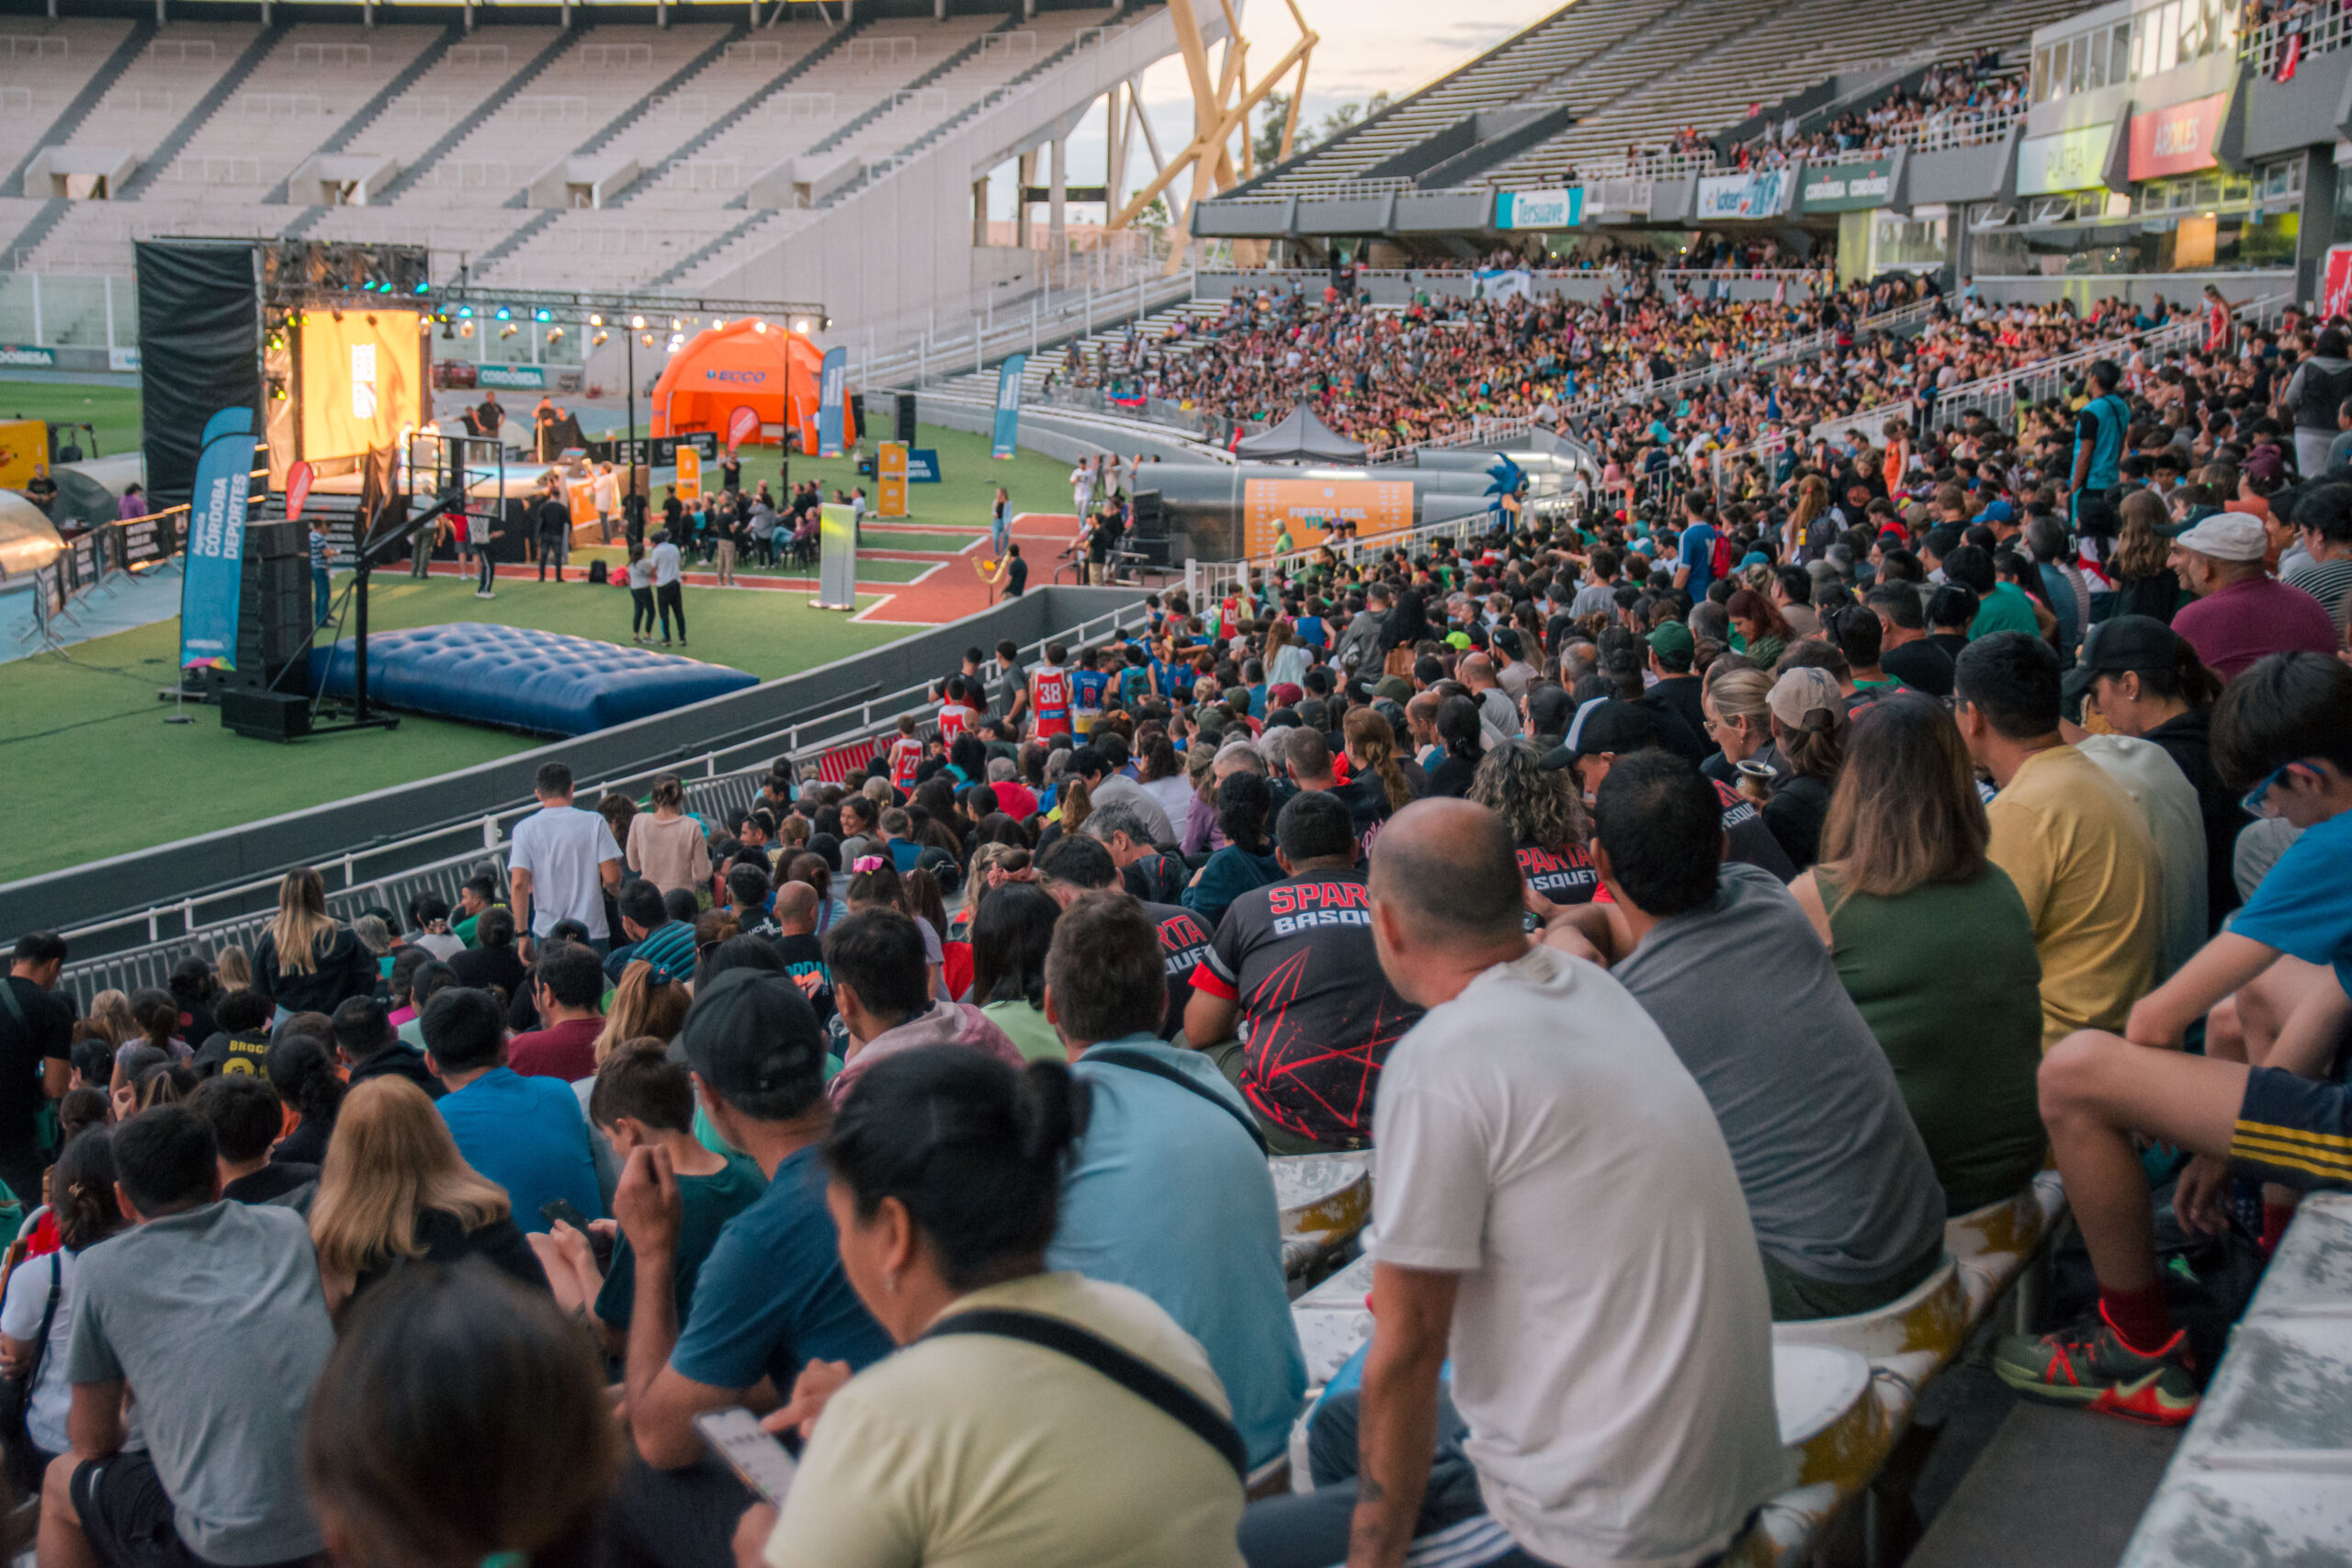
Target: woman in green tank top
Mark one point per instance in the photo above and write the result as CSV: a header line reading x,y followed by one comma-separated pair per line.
x,y
1934,945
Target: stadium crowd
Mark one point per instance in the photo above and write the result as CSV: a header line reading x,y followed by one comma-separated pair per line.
x,y
1396,377
1954,103
1606,879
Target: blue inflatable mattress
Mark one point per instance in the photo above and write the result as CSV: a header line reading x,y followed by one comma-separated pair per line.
x,y
517,679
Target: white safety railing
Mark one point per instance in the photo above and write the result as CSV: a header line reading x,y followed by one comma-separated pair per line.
x,y
2327,26
391,873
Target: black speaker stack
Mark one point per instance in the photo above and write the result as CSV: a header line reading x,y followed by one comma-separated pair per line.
x,y
1148,528
906,432
265,695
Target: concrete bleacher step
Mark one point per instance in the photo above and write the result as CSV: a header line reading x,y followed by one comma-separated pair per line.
x,y
69,119
635,111
742,111
2057,1488
508,245
152,167
971,50
401,183
368,113
53,212
702,254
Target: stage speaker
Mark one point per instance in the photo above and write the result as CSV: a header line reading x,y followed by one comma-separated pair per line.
x,y
274,625
1148,528
265,715
857,413
906,432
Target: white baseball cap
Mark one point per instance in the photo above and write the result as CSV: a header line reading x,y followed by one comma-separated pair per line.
x,y
2227,536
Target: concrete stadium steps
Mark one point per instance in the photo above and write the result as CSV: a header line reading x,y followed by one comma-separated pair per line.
x,y
462,79
498,68
546,114
1154,327
747,238
674,115
738,141
316,76
1530,65
1058,37
148,100
51,75
164,155
429,54
611,248
1778,51
91,237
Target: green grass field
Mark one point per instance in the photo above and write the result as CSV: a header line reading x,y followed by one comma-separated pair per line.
x,y
94,729
113,410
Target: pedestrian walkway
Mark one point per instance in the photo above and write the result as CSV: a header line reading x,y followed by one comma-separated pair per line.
x,y
121,604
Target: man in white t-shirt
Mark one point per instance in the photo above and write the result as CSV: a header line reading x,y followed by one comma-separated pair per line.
x,y
606,492
667,577
562,863
1557,1210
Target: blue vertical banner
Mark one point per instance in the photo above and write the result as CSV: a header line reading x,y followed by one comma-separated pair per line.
x,y
1008,404
832,401
216,542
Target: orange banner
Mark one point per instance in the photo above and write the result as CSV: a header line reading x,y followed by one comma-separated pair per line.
x,y
1309,506
890,479
689,473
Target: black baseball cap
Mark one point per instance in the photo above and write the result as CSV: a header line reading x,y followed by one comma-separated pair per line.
x,y
1604,725
2127,642
752,1032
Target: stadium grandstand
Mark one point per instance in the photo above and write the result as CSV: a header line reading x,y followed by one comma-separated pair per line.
x,y
1608,822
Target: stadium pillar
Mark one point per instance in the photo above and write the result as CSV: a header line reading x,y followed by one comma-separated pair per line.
x,y
1057,191
980,212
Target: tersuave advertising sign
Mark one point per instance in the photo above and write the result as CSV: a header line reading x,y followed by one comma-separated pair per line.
x,y
1846,188
1308,507
2065,160
2176,140
1539,208
1763,194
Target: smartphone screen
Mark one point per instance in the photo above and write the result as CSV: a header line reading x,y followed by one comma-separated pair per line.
x,y
756,1458
565,1209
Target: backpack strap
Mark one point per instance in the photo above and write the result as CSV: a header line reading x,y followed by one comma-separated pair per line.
x,y
1131,1373
1141,1063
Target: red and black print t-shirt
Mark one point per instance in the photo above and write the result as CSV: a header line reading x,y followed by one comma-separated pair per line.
x,y
1317,1016
1184,943
1564,876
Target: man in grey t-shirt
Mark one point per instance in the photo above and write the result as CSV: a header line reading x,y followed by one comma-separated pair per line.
x,y
211,1316
1840,1186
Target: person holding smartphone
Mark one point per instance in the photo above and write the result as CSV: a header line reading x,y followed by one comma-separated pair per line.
x,y
771,1297
946,1180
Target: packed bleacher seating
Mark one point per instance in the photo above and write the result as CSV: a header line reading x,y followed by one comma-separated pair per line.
x,y
1593,872
1956,102
1393,378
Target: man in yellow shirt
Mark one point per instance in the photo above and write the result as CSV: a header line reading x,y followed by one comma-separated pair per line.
x,y
2068,836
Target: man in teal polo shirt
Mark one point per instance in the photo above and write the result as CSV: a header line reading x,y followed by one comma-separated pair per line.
x,y
1169,1194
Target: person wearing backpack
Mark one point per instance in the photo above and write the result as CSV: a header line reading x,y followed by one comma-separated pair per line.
x,y
2313,393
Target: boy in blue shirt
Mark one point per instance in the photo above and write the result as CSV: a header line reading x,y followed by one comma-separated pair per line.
x,y
1088,683
2282,731
528,1135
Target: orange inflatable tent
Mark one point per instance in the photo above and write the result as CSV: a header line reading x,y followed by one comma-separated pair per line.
x,y
775,372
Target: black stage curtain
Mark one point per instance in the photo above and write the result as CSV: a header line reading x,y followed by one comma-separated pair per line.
x,y
199,351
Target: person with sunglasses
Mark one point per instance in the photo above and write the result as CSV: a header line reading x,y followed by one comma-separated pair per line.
x,y
2283,732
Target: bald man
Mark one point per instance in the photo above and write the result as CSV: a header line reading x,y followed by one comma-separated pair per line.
x,y
1535,1133
1497,712
804,954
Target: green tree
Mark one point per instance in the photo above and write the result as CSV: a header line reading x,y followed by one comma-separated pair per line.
x,y
1267,147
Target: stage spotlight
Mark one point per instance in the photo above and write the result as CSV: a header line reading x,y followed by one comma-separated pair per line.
x,y
647,340
543,315
638,322
595,321
828,324
717,325
555,334
466,329
338,315
759,326
676,325
598,340
422,286
465,312
801,325
509,329
505,314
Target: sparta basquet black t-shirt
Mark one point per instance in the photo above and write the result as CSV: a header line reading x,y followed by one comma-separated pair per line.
x,y
1564,876
1317,1016
1184,943
1748,839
